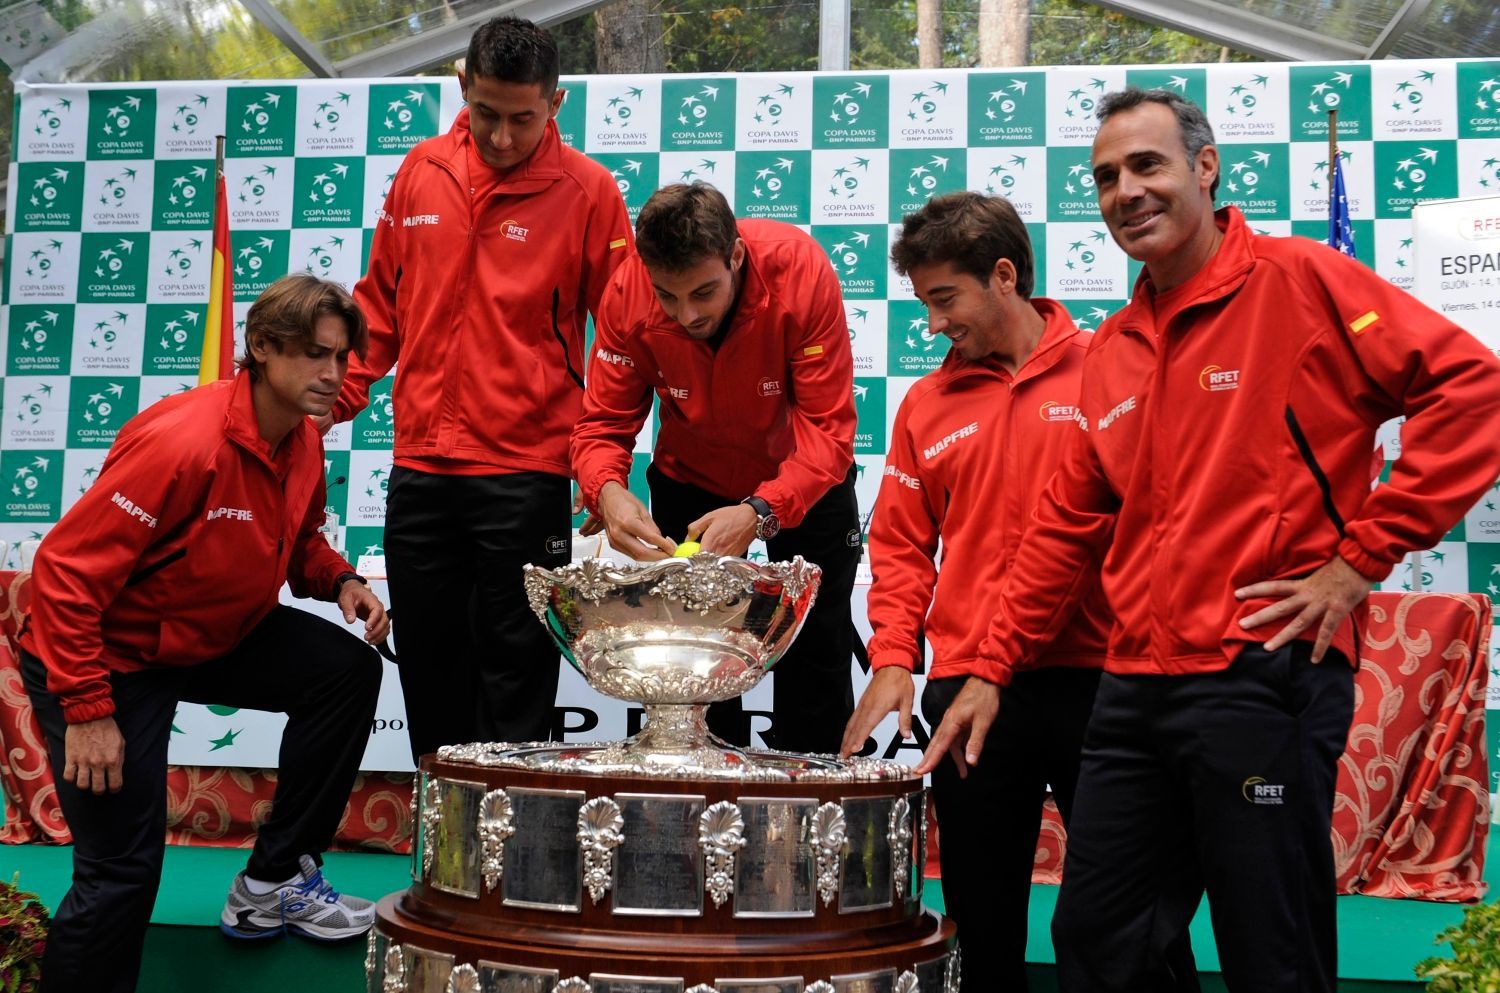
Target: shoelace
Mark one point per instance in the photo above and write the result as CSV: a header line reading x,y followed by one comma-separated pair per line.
x,y
318,888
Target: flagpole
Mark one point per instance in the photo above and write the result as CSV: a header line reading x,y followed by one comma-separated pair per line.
x,y
216,359
1333,145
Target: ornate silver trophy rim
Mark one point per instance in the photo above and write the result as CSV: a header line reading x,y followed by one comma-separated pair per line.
x,y
674,636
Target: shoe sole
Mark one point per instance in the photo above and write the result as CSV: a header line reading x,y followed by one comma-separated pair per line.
x,y
257,935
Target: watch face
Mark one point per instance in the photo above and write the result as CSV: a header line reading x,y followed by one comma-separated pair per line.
x,y
768,527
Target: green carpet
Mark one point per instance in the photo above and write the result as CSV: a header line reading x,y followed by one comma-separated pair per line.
x,y
1379,940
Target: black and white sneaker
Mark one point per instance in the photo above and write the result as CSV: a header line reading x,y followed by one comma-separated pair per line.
x,y
305,905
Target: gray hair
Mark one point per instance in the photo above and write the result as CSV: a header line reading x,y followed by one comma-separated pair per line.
x,y
1197,133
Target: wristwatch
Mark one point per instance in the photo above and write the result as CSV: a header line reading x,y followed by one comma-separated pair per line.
x,y
767,524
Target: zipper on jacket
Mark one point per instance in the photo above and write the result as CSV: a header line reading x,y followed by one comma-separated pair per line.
x,y
156,567
562,342
1305,450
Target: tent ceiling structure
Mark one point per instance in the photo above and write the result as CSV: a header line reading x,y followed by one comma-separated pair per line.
x,y
375,38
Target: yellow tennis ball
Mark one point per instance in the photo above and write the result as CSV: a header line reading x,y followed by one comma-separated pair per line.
x,y
687,549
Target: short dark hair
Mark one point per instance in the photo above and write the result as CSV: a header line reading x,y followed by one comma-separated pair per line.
x,y
1197,133
970,230
513,50
289,309
683,224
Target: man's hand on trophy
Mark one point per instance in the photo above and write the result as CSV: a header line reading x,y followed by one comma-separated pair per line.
x,y
726,531
891,688
628,524
964,727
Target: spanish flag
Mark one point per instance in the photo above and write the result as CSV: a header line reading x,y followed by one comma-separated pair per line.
x,y
218,331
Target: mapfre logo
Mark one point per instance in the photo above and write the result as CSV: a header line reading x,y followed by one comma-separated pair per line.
x,y
1258,791
1054,411
770,387
513,231
1216,379
231,513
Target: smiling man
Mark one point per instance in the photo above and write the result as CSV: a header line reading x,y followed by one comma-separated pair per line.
x,y
738,329
161,584
495,243
1223,490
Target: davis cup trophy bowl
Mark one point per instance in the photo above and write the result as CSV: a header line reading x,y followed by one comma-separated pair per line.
x,y
671,862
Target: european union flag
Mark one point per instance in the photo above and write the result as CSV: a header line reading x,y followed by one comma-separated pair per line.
x,y
1340,232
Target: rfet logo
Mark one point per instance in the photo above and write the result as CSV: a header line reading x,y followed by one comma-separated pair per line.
x,y
770,387
513,230
1216,379
1256,790
1054,411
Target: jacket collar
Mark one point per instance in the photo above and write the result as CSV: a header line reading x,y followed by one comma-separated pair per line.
x,y
542,169
243,428
1058,334
1220,276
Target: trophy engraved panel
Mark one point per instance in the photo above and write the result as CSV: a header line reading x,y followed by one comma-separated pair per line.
x,y
866,880
604,983
542,867
883,981
784,984
426,971
931,975
497,978
455,846
774,874
659,866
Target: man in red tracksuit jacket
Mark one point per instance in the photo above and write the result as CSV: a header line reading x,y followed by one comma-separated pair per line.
x,y
973,445
1224,481
495,243
161,584
738,329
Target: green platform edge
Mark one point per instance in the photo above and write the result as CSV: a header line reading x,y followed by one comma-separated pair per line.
x,y
1379,940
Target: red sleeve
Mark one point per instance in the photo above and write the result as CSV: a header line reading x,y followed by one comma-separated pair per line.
x,y
1445,382
822,390
91,553
314,564
1056,565
616,402
376,295
607,242
903,553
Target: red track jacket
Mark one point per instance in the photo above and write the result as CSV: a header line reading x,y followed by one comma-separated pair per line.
x,y
1230,424
971,451
179,548
770,414
485,303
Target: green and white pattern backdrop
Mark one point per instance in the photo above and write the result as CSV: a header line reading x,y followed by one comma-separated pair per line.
x,y
108,240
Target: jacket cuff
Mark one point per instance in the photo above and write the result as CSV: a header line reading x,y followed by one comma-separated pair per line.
x,y
591,495
995,671
82,711
886,657
1362,563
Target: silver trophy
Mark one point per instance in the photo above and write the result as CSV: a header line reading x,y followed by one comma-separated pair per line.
x,y
674,636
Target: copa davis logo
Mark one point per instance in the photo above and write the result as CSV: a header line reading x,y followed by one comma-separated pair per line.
x,y
112,268
261,120
401,116
120,199
98,409
260,194
179,266
866,341
49,197
774,185
1245,98
772,114
330,192
51,118
327,117
1478,99
698,114
105,340
913,350
259,260
1256,180
323,257
1416,103
1316,90
33,492
919,175
188,118
928,113
1217,379
375,426
869,412
1408,172
858,258
620,118
1007,109
174,336
184,196
1083,253
1088,317
851,186
41,340
851,111
122,124
39,268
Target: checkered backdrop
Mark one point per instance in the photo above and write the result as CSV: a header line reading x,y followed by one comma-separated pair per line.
x,y
108,241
